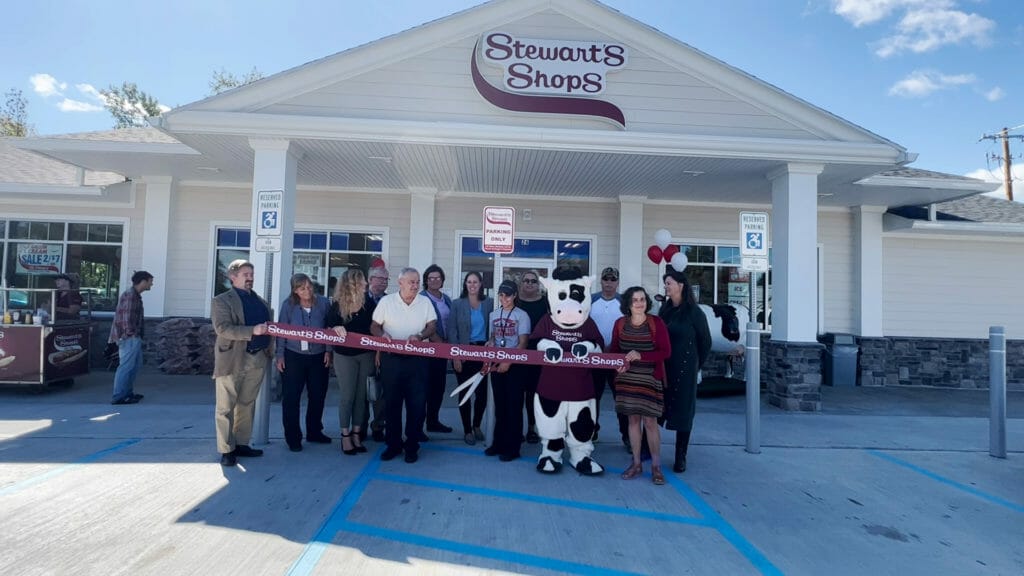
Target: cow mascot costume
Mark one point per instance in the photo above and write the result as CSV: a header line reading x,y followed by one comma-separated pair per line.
x,y
564,403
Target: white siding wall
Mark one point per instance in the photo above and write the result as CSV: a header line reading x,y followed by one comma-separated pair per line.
x,y
937,287
190,265
438,85
836,235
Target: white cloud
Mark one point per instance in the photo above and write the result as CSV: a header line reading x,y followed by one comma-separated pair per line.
x,y
861,12
921,83
90,91
995,174
994,94
46,85
69,105
926,30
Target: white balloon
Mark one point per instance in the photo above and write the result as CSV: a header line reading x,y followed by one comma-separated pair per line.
x,y
662,238
679,261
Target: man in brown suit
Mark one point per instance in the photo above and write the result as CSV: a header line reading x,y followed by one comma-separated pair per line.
x,y
240,359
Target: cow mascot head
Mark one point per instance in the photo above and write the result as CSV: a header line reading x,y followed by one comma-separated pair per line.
x,y
564,405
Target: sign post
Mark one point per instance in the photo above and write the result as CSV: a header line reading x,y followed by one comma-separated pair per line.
x,y
754,252
268,239
499,229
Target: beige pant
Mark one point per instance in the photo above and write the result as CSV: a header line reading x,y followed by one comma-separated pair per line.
x,y
236,403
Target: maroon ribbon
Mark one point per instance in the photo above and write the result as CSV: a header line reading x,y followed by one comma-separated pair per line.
x,y
440,349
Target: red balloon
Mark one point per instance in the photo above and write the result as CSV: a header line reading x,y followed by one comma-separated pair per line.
x,y
655,254
670,251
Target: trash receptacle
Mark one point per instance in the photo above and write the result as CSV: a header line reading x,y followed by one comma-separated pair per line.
x,y
840,363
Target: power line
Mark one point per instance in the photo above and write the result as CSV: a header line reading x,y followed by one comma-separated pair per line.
x,y
1005,136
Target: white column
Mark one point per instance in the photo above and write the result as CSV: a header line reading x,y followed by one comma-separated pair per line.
x,y
421,228
867,226
794,252
631,231
156,224
274,168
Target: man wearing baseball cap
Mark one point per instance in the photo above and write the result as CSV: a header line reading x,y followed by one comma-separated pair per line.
x,y
605,309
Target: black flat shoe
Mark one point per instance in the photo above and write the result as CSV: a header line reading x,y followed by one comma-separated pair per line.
x,y
228,460
319,438
246,451
390,454
296,447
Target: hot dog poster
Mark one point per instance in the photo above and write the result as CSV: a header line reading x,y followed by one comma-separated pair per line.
x,y
66,353
19,355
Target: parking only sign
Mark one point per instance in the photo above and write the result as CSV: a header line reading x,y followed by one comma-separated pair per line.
x,y
268,212
754,241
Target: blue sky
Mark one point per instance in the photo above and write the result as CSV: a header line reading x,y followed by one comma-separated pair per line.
x,y
931,75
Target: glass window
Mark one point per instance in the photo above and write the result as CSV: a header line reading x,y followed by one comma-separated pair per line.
x,y
564,252
99,270
717,278
574,253
311,255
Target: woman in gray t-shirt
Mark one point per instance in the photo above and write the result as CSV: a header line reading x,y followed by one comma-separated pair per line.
x,y
509,330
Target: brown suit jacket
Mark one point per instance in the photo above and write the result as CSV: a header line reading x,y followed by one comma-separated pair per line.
x,y
232,333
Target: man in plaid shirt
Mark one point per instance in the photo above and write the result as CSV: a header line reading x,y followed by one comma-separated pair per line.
x,y
127,331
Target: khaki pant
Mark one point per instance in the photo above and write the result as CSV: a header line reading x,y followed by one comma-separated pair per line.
x,y
236,403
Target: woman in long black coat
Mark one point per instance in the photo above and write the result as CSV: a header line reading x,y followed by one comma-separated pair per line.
x,y
691,342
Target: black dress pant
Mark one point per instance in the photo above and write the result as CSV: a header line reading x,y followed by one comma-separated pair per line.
x,y
479,402
303,371
508,411
437,374
405,385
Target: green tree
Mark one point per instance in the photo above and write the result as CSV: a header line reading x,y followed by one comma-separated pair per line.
x,y
130,106
14,115
223,80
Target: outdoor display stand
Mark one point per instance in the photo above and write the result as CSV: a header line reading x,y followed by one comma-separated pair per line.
x,y
37,351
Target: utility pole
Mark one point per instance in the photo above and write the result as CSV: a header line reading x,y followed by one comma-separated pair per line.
x,y
1007,160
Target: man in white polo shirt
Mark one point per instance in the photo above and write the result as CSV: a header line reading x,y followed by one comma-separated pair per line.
x,y
405,315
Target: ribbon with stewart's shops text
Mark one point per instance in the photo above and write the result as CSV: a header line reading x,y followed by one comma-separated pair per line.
x,y
440,349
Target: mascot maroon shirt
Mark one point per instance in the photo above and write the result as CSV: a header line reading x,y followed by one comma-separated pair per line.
x,y
561,383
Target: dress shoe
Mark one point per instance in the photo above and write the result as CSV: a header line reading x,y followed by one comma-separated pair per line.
x,y
138,396
390,454
491,451
228,460
508,457
319,438
295,446
125,400
245,451
438,427
680,466
411,457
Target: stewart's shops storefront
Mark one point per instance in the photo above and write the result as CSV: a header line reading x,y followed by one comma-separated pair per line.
x,y
599,131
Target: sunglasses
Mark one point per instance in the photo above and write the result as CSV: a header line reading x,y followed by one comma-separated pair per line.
x,y
529,281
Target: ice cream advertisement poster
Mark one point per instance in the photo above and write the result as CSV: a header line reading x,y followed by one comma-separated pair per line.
x,y
39,258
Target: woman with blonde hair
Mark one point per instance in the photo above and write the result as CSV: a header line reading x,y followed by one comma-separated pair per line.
x,y
351,311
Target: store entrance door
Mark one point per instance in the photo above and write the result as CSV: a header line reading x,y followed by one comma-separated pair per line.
x,y
508,268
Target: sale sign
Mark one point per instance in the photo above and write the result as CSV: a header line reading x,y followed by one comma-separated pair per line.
x,y
39,258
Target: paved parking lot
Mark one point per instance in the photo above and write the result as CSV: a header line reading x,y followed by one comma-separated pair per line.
x,y
883,481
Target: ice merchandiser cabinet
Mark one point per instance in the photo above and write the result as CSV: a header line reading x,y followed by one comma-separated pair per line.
x,y
38,344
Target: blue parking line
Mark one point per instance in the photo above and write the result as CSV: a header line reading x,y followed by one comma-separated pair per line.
x,y
87,459
311,554
748,550
964,487
480,551
545,500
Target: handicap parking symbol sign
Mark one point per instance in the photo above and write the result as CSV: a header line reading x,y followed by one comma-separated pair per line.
x,y
755,240
269,220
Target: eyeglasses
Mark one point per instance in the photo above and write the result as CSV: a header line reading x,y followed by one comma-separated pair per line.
x,y
529,281
610,279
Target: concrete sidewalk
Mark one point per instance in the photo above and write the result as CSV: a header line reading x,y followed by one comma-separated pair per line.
x,y
883,481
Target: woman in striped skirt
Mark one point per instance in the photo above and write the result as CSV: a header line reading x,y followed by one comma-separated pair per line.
x,y
639,388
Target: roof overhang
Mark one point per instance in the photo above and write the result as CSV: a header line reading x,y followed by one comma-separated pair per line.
x,y
130,159
892,223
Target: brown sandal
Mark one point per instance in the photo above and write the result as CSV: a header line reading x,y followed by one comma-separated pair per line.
x,y
633,471
656,476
